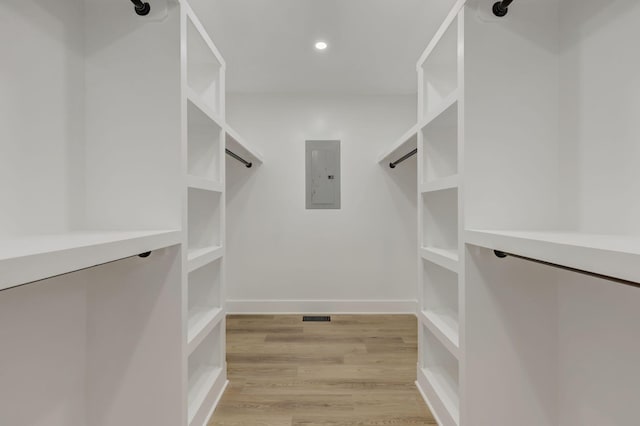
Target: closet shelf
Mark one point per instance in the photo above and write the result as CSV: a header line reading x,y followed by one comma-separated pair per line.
x,y
198,257
443,325
441,394
449,182
197,101
201,322
203,381
407,143
204,184
31,258
438,116
613,255
239,146
447,258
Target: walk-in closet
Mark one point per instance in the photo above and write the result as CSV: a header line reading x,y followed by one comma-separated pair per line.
x,y
312,213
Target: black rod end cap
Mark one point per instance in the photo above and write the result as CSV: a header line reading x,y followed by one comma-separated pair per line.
x,y
500,10
144,9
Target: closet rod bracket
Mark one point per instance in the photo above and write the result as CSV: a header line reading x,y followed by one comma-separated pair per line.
x,y
501,8
141,8
145,254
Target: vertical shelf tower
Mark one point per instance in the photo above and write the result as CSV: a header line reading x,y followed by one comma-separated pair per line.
x,y
440,219
203,148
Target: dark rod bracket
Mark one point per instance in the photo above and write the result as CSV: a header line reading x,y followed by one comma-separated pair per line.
x,y
246,163
502,255
404,157
501,8
141,8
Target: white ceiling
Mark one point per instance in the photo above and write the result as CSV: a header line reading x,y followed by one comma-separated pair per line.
x,y
373,44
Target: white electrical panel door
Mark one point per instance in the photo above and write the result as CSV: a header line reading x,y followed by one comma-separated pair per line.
x,y
323,174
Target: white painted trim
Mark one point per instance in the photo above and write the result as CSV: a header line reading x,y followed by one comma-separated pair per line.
x,y
426,400
408,306
216,402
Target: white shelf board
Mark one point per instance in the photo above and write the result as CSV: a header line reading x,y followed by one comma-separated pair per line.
x,y
447,258
205,381
441,397
404,145
438,116
612,255
203,33
443,325
201,322
198,257
449,182
203,184
32,258
236,144
197,101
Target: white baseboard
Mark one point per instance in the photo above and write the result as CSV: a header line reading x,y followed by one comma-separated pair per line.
x,y
322,306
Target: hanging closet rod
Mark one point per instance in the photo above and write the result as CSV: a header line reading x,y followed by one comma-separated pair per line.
x,y
501,8
141,8
502,255
240,159
143,255
401,159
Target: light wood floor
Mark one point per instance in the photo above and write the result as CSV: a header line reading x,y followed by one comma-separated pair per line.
x,y
356,370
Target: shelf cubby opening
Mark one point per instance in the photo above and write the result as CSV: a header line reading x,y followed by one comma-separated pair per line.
x,y
440,71
440,141
204,147
440,220
440,297
441,371
204,296
205,367
204,75
204,219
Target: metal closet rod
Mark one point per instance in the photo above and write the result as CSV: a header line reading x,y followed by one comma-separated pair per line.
x,y
141,8
246,163
502,255
501,8
401,159
143,255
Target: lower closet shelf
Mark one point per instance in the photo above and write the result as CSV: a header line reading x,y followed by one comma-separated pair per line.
x,y
32,258
204,383
199,257
444,326
440,394
201,322
447,258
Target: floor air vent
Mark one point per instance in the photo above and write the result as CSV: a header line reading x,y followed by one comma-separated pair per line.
x,y
317,318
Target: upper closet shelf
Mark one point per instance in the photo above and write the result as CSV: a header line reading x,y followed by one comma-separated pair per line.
x,y
32,258
407,143
616,256
239,146
438,117
198,102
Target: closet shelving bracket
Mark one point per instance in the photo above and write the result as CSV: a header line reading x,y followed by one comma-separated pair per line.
x,y
141,8
501,8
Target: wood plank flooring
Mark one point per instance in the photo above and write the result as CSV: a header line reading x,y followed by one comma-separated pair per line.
x,y
357,370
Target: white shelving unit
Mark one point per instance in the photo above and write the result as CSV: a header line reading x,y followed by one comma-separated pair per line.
x,y
440,220
204,136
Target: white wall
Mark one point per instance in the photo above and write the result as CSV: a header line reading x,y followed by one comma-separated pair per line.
x,y
598,333
41,113
277,250
600,109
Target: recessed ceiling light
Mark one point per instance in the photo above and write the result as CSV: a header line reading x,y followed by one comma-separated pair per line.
x,y
321,45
